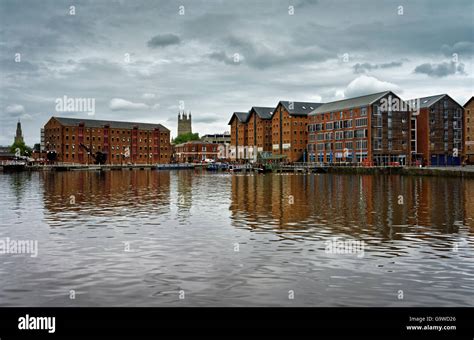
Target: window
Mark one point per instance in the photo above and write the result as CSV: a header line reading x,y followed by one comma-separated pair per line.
x,y
377,144
361,144
361,122
363,111
361,133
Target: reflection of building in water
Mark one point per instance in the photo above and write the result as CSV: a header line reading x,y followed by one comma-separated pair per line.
x,y
83,191
184,190
469,204
382,206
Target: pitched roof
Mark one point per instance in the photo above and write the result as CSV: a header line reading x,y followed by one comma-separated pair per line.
x,y
241,116
94,123
263,112
350,103
300,108
428,101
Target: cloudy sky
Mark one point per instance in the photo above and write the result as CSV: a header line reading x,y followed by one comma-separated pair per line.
x,y
139,59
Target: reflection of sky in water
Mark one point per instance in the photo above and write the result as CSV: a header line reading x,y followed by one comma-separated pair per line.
x,y
182,228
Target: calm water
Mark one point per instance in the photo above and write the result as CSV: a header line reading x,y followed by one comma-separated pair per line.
x,y
138,238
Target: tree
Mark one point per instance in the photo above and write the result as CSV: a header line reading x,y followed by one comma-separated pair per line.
x,y
186,137
24,149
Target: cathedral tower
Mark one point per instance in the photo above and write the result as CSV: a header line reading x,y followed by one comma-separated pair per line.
x,y
19,134
184,123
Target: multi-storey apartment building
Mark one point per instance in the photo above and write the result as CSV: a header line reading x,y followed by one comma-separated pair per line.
x,y
469,130
259,130
77,140
239,136
195,151
289,129
439,125
374,129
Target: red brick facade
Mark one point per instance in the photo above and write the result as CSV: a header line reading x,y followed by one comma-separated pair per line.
x,y
122,142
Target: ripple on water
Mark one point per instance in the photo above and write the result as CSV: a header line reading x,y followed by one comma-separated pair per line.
x,y
182,229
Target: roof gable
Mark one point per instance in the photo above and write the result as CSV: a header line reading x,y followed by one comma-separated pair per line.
x,y
263,112
241,117
431,100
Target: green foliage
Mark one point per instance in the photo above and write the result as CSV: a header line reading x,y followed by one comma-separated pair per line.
x,y
186,137
24,149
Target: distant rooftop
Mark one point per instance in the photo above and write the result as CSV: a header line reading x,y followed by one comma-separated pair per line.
x,y
217,135
94,123
263,112
300,108
350,103
428,101
241,116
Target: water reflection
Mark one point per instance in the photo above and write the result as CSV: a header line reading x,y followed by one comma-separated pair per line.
x,y
385,207
183,227
105,193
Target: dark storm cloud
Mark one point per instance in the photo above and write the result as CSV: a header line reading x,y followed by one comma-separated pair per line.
x,y
162,40
440,70
190,57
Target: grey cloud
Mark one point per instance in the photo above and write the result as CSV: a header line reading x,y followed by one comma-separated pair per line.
x,y
443,69
282,56
259,55
162,40
222,56
206,118
15,109
365,67
461,48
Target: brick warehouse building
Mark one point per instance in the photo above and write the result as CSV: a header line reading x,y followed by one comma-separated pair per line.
x,y
440,130
238,136
122,142
259,131
469,130
361,129
289,129
195,151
